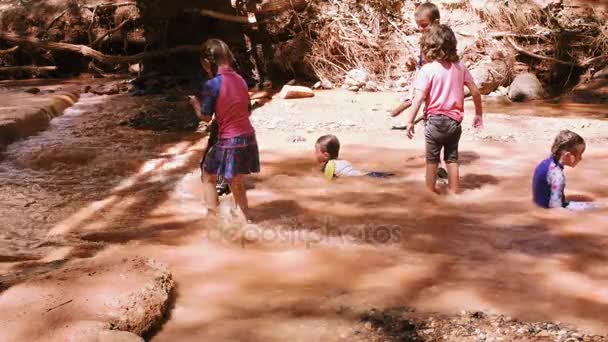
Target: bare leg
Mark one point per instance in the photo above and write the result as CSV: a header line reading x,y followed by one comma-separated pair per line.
x,y
453,178
431,177
209,192
240,195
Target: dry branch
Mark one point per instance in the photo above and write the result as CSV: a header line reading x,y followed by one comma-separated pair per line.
x,y
7,51
110,4
89,31
532,54
92,53
227,17
109,32
55,20
26,68
276,6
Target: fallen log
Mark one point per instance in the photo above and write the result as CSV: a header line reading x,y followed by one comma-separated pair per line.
x,y
277,6
92,53
7,51
27,68
265,8
110,4
228,17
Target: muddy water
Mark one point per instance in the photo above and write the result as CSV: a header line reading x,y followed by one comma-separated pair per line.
x,y
318,253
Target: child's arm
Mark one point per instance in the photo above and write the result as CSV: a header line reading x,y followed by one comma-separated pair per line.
x,y
204,107
556,181
476,94
413,111
196,105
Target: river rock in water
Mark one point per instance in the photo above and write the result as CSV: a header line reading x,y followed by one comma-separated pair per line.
x,y
526,87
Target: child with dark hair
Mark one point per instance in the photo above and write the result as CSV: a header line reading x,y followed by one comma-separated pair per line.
x,y
235,154
549,181
440,85
327,153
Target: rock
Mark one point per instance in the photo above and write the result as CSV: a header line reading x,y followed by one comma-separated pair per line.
x,y
107,89
295,92
296,139
323,84
487,6
135,69
401,82
489,76
546,3
526,87
543,333
601,74
371,86
110,297
292,82
32,90
356,77
354,88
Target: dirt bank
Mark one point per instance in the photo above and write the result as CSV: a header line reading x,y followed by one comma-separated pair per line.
x,y
27,110
320,255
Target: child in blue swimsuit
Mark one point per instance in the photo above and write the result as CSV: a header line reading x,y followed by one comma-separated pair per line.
x,y
549,181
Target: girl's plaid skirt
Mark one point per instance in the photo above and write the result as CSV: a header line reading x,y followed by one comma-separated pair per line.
x,y
233,156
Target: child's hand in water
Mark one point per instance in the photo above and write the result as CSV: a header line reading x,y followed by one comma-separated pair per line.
x,y
478,122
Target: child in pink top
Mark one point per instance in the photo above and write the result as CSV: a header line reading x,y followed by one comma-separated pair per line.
x,y
235,153
440,84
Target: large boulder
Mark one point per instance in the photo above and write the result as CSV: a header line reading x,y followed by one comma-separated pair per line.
x,y
490,76
526,87
356,78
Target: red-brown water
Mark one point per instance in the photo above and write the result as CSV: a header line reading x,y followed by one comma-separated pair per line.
x,y
88,186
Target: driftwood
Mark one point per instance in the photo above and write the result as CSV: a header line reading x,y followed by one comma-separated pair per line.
x,y
277,6
227,17
267,7
584,64
26,68
109,32
55,20
92,53
90,30
7,51
109,4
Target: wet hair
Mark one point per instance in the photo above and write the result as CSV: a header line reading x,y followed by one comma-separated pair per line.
x,y
330,144
216,52
439,44
566,141
428,10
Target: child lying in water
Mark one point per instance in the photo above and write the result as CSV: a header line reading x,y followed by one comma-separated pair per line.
x,y
549,181
327,150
